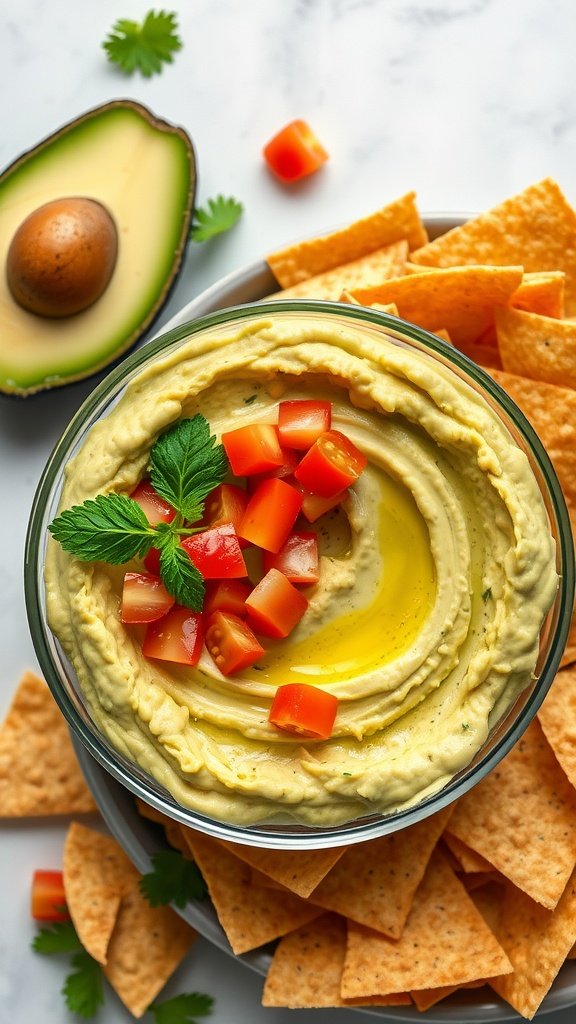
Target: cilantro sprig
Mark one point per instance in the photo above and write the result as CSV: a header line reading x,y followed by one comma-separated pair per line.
x,y
185,465
143,46
219,215
174,879
182,1009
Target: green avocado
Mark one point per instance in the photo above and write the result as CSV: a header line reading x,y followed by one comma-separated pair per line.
x,y
142,170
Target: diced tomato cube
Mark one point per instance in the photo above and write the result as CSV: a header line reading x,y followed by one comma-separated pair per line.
x,y
301,422
144,598
231,643
294,152
178,637
155,508
305,710
254,448
284,472
297,559
225,504
330,465
152,560
275,606
226,596
314,506
48,898
216,553
270,514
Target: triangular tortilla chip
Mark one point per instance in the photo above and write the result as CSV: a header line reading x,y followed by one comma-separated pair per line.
x,y
376,266
541,292
374,883
557,716
468,859
536,228
524,809
445,942
249,915
39,773
538,347
300,871
399,219
462,300
427,997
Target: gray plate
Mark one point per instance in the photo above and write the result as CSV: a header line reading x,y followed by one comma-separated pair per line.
x,y
141,838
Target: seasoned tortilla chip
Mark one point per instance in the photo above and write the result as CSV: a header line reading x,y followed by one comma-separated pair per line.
x,y
536,228
521,811
488,899
468,859
398,220
300,871
538,347
484,355
542,293
250,915
445,942
537,942
374,883
375,266
557,716
427,997
462,300
39,773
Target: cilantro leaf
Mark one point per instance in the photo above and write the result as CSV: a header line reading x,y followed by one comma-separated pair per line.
x,y
182,1009
109,528
174,879
180,576
57,938
219,215
83,989
186,464
143,46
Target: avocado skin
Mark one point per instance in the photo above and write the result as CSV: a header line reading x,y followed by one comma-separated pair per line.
x,y
188,169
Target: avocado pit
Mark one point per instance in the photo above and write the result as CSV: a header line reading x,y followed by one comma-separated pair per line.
x,y
62,257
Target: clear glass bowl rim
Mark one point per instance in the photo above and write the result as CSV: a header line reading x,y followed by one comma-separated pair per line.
x,y
127,774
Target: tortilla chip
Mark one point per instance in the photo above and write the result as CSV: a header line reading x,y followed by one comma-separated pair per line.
x,y
427,997
249,915
394,222
375,266
374,883
468,859
96,874
537,346
473,880
445,942
147,945
557,716
572,953
488,899
542,293
299,871
536,228
39,773
484,355
537,942
462,300
524,809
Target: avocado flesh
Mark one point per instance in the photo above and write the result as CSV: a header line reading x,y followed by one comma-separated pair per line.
x,y
143,171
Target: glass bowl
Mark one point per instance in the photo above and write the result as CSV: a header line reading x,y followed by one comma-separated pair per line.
x,y
61,677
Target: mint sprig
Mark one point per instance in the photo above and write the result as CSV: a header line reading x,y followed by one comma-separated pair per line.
x,y
185,465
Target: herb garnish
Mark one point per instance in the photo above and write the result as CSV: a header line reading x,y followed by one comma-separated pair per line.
x,y
143,46
185,465
182,1009
487,594
219,215
174,879
83,989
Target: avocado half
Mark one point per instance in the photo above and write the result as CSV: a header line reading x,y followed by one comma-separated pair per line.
x,y
143,170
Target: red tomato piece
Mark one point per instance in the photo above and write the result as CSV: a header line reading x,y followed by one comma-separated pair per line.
x,y
297,559
226,596
152,561
144,598
216,553
302,421
314,506
225,504
294,152
231,643
275,606
305,710
270,514
48,898
253,449
284,472
155,508
330,465
178,637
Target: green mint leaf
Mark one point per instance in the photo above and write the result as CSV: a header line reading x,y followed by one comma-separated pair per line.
x,y
186,464
219,215
180,576
143,46
109,528
83,989
57,938
174,879
182,1009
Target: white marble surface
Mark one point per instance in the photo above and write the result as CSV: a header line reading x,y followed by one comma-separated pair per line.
x,y
466,101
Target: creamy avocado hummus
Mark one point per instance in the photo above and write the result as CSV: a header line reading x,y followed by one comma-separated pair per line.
x,y
425,623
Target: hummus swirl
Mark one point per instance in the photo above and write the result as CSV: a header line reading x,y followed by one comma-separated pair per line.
x,y
425,624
